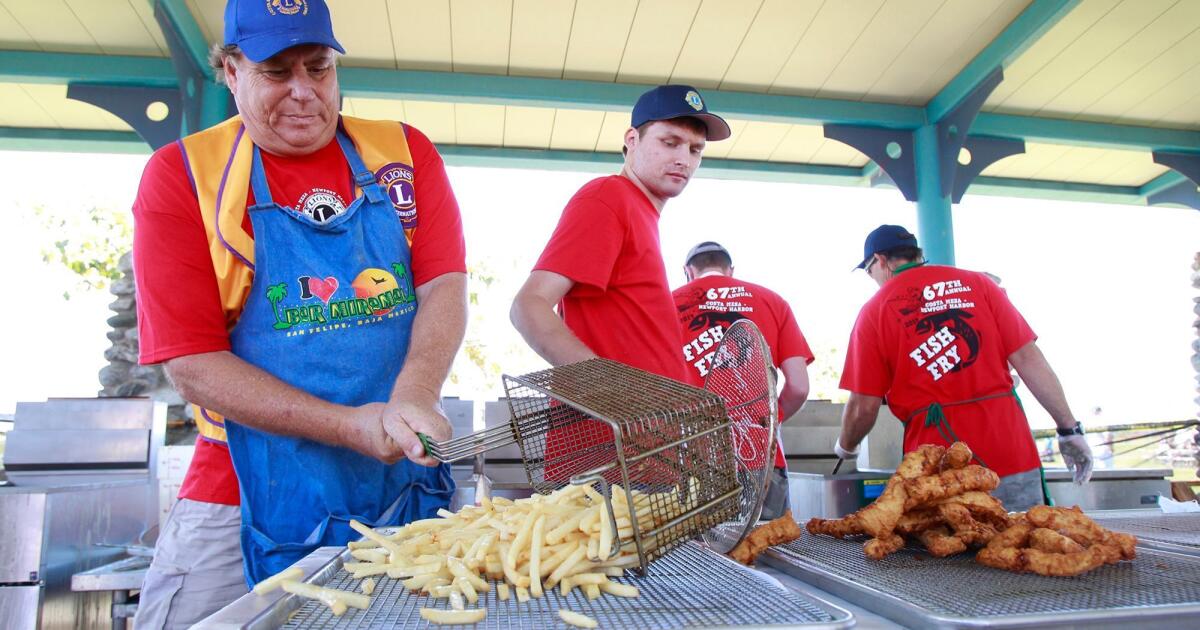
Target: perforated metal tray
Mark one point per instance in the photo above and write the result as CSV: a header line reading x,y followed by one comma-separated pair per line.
x,y
1157,590
1169,532
689,587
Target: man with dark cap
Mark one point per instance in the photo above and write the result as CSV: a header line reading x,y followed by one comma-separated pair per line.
x,y
603,269
937,341
300,300
711,301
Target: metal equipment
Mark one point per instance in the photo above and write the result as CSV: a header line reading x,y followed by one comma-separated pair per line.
x,y
604,423
80,486
833,496
1179,533
1110,488
601,422
691,586
1156,590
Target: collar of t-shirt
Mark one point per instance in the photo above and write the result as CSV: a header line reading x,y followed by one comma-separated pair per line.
x,y
905,267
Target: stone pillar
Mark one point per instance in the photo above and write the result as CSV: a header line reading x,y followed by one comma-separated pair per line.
x,y
123,376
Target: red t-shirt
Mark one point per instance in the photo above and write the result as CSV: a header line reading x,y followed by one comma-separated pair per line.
x,y
708,306
941,334
179,308
620,306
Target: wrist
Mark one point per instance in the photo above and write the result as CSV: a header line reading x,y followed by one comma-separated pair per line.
x,y
1076,429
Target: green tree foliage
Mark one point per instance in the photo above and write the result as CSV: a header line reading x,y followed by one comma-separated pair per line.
x,y
90,244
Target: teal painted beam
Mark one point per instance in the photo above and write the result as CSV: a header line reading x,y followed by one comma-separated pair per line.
x,y
1167,180
71,141
490,89
589,162
1056,191
1027,28
1088,134
20,66
189,31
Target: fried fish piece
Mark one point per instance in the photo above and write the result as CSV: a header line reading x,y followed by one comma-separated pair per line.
x,y
878,548
923,491
1064,564
916,521
836,527
940,543
957,456
966,528
983,506
781,530
1050,541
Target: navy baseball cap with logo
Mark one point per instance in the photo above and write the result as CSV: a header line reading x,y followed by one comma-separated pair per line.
x,y
678,101
707,247
883,238
264,28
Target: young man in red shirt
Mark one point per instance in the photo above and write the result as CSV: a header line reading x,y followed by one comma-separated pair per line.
x,y
708,305
936,341
602,269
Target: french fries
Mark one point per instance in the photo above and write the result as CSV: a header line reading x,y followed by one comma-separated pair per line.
x,y
567,539
453,617
273,582
576,619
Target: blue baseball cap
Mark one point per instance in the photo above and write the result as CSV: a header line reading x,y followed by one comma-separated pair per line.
x,y
264,28
678,101
884,238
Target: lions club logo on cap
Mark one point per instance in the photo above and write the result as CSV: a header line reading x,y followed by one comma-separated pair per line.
x,y
287,7
693,99
397,180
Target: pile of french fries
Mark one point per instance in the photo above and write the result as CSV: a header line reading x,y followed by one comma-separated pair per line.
x,y
565,539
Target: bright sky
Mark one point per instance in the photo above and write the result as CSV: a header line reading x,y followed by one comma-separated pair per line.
x,y
1106,287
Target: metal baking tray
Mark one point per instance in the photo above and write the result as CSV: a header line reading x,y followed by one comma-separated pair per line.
x,y
1179,533
689,587
1157,590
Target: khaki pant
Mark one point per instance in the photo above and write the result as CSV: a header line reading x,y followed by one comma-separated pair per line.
x,y
197,567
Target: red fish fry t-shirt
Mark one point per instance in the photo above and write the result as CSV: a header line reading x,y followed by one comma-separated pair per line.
x,y
939,334
179,306
620,306
707,306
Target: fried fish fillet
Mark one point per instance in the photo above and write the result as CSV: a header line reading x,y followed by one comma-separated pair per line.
x,y
926,490
1050,541
877,548
781,530
966,528
983,506
940,543
879,518
957,456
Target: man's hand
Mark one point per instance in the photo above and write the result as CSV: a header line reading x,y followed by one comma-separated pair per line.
x,y
843,453
1077,455
364,432
411,411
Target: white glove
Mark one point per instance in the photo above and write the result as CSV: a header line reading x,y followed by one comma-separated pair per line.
x,y
1077,455
843,453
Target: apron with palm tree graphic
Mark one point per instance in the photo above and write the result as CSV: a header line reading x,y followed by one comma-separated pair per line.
x,y
330,312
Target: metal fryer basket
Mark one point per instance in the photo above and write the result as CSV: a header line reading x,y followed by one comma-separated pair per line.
x,y
1168,532
604,422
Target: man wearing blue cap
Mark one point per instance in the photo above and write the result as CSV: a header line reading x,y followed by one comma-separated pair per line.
x,y
937,341
302,302
603,268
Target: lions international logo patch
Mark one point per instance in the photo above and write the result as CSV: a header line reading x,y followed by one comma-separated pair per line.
x,y
693,99
397,180
287,7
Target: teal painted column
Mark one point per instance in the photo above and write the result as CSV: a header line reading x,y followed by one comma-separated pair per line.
x,y
214,104
935,229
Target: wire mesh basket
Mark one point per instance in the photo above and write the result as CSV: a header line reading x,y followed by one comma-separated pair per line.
x,y
670,448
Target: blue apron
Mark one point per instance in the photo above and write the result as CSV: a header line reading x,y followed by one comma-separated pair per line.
x,y
330,312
